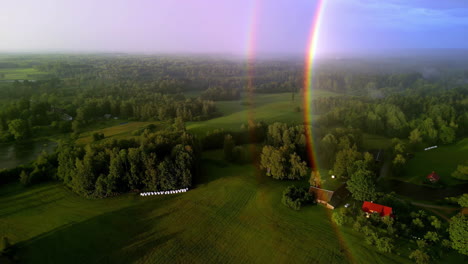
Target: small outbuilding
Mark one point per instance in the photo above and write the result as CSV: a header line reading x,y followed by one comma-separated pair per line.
x,y
433,177
382,210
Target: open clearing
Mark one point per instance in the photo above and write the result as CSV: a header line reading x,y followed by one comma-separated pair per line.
x,y
443,160
233,215
20,74
123,130
268,108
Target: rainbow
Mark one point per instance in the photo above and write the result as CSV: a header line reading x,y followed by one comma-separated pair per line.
x,y
308,81
251,49
307,105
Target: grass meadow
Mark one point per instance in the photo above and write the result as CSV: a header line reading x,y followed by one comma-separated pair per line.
x,y
119,129
233,215
268,108
443,160
20,74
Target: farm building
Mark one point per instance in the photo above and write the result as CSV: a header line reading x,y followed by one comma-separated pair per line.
x,y
331,199
382,210
433,177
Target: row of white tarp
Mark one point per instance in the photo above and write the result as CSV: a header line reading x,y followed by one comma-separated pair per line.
x,y
164,192
433,147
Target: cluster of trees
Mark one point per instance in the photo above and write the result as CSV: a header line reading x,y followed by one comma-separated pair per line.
x,y
156,162
438,117
249,133
461,172
159,161
232,152
294,197
221,94
143,107
427,233
282,156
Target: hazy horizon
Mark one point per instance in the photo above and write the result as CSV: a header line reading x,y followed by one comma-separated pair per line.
x,y
231,27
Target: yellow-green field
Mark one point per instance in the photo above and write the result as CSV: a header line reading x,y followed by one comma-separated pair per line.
x,y
20,74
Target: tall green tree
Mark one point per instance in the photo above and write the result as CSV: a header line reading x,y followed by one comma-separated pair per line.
x,y
18,128
458,231
362,184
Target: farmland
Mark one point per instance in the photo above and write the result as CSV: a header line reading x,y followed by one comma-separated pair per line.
x,y
232,215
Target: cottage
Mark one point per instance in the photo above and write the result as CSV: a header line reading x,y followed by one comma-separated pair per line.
x,y
433,177
370,208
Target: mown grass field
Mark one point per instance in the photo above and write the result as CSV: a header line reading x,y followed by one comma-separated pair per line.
x,y
268,108
443,160
233,215
20,74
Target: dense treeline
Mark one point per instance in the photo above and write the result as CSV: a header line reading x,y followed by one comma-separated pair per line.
x,y
36,115
221,94
159,161
165,160
433,118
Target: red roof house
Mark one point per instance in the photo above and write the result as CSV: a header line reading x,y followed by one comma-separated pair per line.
x,y
433,177
370,207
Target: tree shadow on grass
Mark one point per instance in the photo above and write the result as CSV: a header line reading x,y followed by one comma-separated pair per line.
x,y
122,236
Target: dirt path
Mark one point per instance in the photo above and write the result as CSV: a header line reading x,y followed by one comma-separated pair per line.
x,y
436,209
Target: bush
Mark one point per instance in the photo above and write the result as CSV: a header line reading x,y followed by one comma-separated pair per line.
x,y
384,244
98,136
5,245
339,217
24,178
294,197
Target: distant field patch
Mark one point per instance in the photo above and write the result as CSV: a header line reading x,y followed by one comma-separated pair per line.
x,y
20,74
443,160
123,130
268,108
371,141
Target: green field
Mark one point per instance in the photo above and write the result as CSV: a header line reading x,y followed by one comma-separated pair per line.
x,y
233,215
20,74
443,160
266,107
117,131
371,141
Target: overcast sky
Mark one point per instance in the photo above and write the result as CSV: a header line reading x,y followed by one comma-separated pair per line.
x,y
223,26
